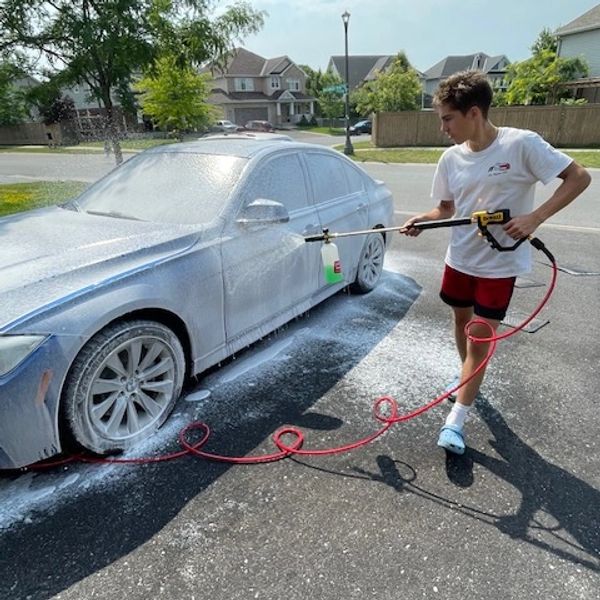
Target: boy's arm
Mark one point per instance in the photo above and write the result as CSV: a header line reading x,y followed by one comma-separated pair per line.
x,y
575,180
444,210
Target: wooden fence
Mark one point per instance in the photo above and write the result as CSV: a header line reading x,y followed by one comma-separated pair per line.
x,y
39,134
562,126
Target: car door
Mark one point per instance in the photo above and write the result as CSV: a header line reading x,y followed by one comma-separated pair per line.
x,y
270,272
342,205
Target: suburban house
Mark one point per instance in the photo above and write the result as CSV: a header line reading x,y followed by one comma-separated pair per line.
x,y
90,113
581,37
361,68
249,87
493,66
25,83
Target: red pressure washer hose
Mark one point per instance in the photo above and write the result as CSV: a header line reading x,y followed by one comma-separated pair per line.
x,y
295,447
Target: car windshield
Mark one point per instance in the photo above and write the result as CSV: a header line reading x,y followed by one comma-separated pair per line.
x,y
169,187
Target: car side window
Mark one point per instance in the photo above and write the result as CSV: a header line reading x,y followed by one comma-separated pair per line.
x,y
281,179
327,176
356,181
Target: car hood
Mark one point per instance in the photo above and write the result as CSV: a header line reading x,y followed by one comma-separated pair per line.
x,y
50,253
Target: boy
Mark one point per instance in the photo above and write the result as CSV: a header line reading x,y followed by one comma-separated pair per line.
x,y
488,168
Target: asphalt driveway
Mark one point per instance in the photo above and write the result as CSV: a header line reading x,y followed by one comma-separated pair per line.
x,y
517,517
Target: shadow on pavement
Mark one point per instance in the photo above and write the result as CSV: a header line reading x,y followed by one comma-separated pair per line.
x,y
93,527
546,489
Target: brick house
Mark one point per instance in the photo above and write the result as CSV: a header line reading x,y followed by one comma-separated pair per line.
x,y
251,87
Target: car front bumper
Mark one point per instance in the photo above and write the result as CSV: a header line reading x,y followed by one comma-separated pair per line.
x,y
29,406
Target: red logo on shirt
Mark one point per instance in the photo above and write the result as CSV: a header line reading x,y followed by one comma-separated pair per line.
x,y
498,169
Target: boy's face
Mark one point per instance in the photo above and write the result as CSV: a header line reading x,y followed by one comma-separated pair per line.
x,y
458,127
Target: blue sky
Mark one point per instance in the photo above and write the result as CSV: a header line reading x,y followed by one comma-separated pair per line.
x,y
310,31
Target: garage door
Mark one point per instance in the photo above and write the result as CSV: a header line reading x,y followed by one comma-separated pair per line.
x,y
243,115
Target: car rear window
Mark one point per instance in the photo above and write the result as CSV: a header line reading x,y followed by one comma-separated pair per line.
x,y
167,187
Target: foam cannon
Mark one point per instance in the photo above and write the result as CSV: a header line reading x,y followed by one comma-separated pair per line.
x,y
483,218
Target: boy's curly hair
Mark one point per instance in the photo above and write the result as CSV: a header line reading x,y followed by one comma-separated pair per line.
x,y
464,90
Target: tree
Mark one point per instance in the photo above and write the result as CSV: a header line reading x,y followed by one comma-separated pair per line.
x,y
545,40
104,42
541,79
13,107
330,102
397,89
61,109
175,97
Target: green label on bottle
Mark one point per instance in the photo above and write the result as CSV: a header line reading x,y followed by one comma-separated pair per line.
x,y
333,274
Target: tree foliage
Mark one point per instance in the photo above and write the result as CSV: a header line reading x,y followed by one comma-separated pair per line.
x,y
174,96
60,109
397,89
541,79
331,103
102,43
13,105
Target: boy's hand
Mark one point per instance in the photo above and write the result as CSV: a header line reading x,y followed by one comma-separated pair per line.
x,y
522,226
408,229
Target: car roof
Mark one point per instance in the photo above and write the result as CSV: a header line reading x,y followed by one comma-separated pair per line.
x,y
255,135
241,146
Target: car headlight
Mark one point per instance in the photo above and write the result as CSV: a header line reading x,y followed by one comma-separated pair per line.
x,y
15,348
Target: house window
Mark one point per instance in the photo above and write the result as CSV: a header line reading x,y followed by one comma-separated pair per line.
x,y
293,85
244,84
275,82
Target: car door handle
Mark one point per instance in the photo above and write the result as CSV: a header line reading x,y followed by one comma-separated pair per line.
x,y
361,206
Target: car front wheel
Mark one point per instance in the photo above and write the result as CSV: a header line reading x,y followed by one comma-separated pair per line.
x,y
370,264
123,385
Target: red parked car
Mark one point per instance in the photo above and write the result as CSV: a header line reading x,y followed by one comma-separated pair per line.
x,y
259,126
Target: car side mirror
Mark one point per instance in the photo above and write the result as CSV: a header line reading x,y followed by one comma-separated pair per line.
x,y
263,211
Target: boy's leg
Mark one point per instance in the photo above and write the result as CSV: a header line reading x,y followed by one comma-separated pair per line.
x,y
461,317
475,354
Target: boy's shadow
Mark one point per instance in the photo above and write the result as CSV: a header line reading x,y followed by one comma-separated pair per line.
x,y
546,488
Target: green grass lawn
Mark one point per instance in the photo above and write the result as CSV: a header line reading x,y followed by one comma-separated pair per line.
x,y
133,144
90,147
18,197
365,151
325,130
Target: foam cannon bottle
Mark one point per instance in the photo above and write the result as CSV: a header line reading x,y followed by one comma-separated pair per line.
x,y
332,267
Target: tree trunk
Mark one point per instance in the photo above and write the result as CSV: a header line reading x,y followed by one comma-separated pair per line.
x,y
113,131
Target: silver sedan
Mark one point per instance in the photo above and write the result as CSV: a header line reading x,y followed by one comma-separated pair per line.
x,y
172,262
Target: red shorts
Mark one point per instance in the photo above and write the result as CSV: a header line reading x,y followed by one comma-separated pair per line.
x,y
489,297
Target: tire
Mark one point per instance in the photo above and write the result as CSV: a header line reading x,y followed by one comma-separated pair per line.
x,y
123,385
370,264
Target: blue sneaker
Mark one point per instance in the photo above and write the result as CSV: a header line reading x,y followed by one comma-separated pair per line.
x,y
454,383
452,439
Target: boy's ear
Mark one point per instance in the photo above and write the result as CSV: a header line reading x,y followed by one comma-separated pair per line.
x,y
475,112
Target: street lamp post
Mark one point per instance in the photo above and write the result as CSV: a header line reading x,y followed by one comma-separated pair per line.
x,y
348,149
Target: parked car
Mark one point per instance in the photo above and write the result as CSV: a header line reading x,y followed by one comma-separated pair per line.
x,y
360,127
259,126
224,125
175,260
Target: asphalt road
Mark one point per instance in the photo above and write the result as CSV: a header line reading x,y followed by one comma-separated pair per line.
x,y
517,517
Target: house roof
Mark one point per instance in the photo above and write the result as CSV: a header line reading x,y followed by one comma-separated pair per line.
x,y
453,64
276,66
241,62
585,22
360,68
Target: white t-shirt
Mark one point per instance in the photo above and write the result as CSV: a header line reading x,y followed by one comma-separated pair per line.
x,y
503,175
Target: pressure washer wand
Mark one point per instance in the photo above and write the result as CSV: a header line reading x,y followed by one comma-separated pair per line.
x,y
482,218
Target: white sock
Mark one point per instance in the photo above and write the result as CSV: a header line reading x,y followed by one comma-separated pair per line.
x,y
457,415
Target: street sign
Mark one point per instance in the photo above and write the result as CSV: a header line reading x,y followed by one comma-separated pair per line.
x,y
339,88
